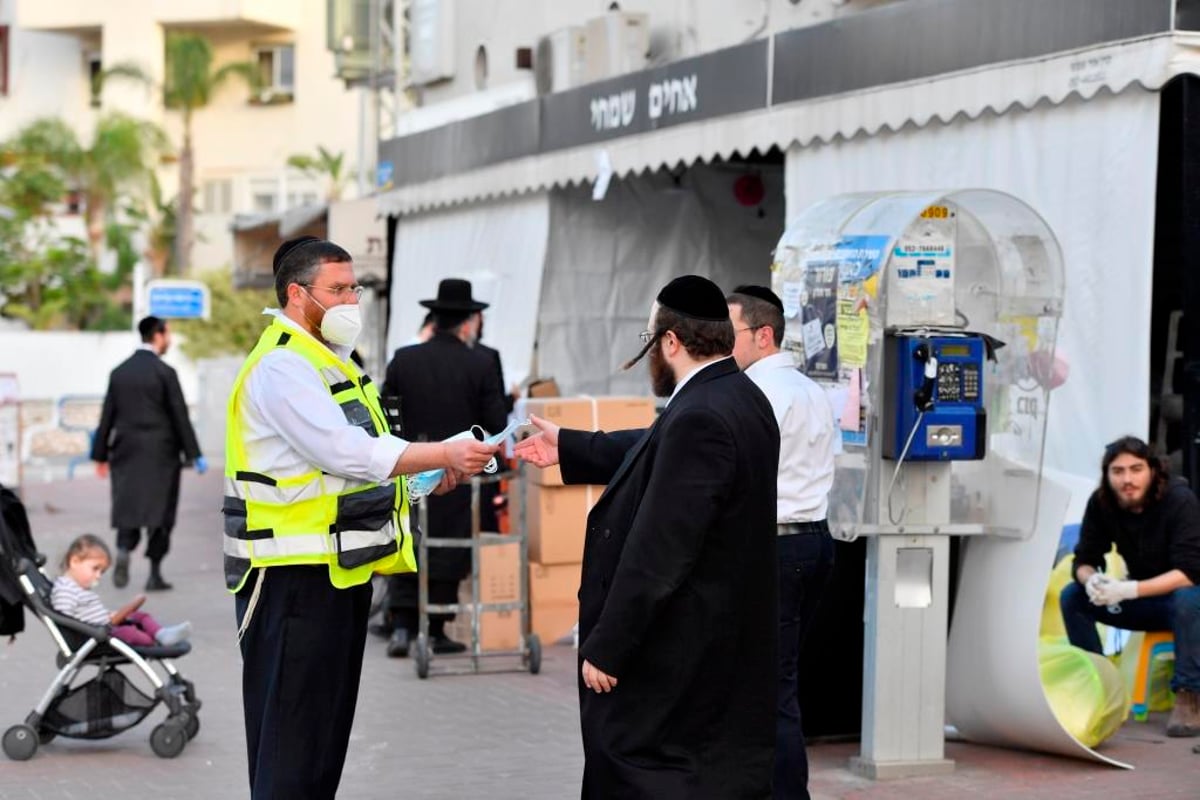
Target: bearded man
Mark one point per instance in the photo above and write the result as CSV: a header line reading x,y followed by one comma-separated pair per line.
x,y
678,602
1154,520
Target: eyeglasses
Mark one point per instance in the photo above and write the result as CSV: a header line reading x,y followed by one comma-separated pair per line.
x,y
338,291
649,336
736,331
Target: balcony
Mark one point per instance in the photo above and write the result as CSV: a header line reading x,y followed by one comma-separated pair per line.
x,y
80,15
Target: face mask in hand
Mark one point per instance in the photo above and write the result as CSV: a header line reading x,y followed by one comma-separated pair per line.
x,y
422,484
341,324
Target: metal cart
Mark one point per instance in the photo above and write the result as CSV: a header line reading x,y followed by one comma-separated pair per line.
x,y
530,650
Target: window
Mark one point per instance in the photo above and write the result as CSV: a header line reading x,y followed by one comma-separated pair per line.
x,y
3,60
95,67
264,195
218,196
276,73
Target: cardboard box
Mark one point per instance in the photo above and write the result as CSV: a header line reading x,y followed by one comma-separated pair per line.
x,y
499,574
543,388
556,518
554,600
588,414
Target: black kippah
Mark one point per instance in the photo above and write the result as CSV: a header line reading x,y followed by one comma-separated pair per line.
x,y
695,297
762,293
289,246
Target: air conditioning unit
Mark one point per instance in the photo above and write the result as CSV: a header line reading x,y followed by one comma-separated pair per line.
x,y
617,43
561,60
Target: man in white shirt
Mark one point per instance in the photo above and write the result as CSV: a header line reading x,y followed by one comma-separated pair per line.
x,y
302,591
807,445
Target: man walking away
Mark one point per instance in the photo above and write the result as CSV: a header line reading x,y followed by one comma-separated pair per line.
x,y
143,440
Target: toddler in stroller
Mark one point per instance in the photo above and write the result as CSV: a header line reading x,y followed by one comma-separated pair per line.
x,y
86,560
80,703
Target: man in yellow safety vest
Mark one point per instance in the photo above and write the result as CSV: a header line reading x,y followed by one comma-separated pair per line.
x,y
315,504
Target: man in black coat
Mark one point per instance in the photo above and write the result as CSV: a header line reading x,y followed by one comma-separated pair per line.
x,y
444,388
677,608
145,437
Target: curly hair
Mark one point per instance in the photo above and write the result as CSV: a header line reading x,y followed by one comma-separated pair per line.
x,y
1135,447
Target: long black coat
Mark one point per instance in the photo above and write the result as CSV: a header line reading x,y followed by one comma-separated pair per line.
x,y
145,436
679,596
444,388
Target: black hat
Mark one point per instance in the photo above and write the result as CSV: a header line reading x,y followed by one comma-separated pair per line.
x,y
454,294
762,293
287,247
695,297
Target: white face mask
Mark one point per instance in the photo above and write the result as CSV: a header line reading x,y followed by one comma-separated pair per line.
x,y
341,324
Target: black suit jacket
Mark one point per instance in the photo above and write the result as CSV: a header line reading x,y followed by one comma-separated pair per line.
x,y
145,435
679,595
444,388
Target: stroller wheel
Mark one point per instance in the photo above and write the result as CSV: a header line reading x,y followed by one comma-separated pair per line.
x,y
20,742
167,740
192,725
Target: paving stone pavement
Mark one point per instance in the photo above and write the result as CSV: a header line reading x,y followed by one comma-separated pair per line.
x,y
502,735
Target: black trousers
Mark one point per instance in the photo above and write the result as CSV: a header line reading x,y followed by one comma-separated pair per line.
x,y
158,541
805,565
402,601
301,662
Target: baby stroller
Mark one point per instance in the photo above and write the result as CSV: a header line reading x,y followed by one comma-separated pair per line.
x,y
76,705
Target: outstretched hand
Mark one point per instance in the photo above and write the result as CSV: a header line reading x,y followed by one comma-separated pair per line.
x,y
541,449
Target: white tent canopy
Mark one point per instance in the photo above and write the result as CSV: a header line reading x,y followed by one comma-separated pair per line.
x,y
1147,63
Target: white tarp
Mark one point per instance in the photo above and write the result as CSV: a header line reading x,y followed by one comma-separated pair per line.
x,y
1089,168
499,246
607,260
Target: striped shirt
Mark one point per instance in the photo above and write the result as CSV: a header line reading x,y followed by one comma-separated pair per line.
x,y
69,598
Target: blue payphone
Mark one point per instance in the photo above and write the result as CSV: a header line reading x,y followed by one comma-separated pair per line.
x,y
934,408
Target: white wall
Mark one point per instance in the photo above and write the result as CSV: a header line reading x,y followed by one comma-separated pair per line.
x,y
47,77
50,364
678,29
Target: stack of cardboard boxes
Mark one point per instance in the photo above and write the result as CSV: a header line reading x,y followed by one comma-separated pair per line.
x,y
555,519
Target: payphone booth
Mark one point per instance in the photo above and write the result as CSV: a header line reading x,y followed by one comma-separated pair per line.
x,y
930,319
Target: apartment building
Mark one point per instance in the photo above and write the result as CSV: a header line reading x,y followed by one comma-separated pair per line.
x,y
50,52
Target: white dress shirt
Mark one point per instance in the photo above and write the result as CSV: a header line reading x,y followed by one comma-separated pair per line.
x,y
292,423
807,437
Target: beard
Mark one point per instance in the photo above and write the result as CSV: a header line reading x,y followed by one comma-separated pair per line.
x,y
662,378
1132,502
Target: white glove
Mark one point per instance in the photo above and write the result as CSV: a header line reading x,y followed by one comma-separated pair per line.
x,y
1111,593
1093,584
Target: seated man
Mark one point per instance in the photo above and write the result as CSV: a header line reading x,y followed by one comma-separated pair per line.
x,y
1154,520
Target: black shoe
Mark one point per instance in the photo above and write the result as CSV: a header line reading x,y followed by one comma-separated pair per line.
x,y
398,644
121,570
444,645
155,582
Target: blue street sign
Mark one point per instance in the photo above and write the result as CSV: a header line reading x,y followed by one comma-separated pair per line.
x,y
177,299
383,174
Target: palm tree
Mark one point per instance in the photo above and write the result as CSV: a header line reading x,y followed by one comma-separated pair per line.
x,y
324,165
118,164
190,83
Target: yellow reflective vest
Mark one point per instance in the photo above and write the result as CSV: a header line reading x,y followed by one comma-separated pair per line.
x,y
357,528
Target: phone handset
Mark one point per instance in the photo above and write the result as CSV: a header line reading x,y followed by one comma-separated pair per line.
x,y
923,397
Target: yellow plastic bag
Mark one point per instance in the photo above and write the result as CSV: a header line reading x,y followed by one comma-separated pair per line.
x,y
1159,697
1084,690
